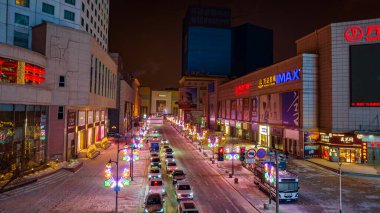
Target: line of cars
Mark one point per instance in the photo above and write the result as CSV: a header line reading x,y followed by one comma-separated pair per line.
x,y
156,187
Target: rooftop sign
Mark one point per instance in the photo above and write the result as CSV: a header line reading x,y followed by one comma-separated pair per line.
x,y
280,78
356,33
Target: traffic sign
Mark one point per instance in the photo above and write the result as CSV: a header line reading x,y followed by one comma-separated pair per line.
x,y
251,153
249,160
261,153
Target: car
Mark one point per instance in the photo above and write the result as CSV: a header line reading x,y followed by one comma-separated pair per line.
x,y
156,185
183,190
169,151
165,141
187,206
155,162
165,146
154,172
154,203
154,155
177,175
171,166
169,158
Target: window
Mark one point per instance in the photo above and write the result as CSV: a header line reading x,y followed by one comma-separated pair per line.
x,y
96,74
91,71
82,6
69,15
21,19
61,81
72,2
86,27
87,13
82,22
24,3
21,39
60,112
47,8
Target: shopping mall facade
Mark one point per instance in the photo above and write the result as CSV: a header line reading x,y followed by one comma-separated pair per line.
x,y
322,103
53,98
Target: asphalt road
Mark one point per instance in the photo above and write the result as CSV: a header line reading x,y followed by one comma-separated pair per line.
x,y
211,192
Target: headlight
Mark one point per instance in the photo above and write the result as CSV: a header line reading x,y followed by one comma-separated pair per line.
x,y
179,195
163,190
159,176
162,210
149,176
191,194
146,210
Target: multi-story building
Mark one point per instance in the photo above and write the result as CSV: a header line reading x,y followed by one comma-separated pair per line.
x,y
145,93
164,102
322,103
19,16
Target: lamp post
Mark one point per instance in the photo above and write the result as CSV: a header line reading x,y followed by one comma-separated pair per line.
x,y
340,187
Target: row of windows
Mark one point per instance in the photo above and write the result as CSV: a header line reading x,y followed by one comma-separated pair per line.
x,y
21,19
26,3
105,81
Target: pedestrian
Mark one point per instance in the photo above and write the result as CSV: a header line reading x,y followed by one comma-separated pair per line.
x,y
286,154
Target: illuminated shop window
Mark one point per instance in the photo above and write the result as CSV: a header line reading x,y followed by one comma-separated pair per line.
x,y
24,3
19,72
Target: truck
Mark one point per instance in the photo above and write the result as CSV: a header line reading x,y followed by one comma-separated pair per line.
x,y
154,146
265,178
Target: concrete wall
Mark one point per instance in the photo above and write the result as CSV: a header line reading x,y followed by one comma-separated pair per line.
x,y
56,135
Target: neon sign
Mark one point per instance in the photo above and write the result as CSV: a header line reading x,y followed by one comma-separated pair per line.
x,y
242,89
365,104
280,78
356,33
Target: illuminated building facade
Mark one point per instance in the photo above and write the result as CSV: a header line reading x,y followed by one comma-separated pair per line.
x,y
321,103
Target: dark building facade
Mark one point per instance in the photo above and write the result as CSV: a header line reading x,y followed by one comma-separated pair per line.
x,y
206,41
252,49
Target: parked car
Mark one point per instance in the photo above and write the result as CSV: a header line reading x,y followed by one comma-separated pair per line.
x,y
156,185
183,190
187,206
154,203
177,175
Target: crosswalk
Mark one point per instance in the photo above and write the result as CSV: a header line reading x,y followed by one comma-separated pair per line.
x,y
41,183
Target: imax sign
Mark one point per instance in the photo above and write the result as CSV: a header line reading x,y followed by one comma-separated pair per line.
x,y
288,76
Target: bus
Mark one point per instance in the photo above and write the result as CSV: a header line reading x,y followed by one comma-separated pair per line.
x,y
265,178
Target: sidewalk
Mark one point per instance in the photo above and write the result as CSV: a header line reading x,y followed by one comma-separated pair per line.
x,y
349,169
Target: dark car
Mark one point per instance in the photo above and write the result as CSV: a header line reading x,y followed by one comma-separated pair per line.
x,y
177,175
169,151
155,162
154,203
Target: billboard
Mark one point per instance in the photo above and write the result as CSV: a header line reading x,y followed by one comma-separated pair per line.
x,y
223,109
246,109
270,108
188,98
290,108
228,109
239,109
233,109
161,106
255,108
365,75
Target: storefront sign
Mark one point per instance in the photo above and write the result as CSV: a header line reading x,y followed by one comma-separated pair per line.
x,y
276,131
227,122
356,33
339,138
90,117
232,123
364,152
97,116
242,89
81,118
245,126
311,137
102,116
263,130
254,127
290,108
280,78
71,121
238,124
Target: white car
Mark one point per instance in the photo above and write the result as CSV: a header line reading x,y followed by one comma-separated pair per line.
x,y
165,141
187,206
171,166
154,172
183,190
156,185
169,158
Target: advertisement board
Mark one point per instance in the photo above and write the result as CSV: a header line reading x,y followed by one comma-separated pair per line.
x,y
290,108
187,98
161,106
81,118
246,115
233,109
270,108
239,109
223,109
228,109
255,108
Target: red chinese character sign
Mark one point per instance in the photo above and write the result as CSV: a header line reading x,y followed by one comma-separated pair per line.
x,y
356,33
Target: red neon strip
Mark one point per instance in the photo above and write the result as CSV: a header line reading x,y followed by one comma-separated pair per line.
x,y
34,69
34,78
365,104
9,64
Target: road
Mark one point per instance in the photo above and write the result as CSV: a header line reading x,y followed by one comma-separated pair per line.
x,y
212,193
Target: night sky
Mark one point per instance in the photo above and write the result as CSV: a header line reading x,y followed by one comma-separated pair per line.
x,y
148,33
